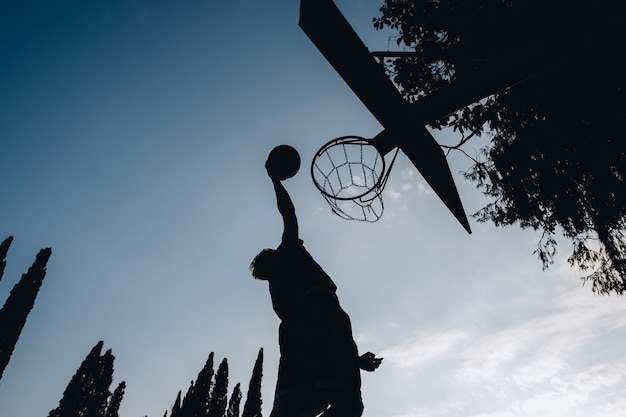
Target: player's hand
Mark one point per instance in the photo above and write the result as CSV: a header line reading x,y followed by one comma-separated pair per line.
x,y
269,171
369,362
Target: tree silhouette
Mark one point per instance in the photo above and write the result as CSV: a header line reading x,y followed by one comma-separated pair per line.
x,y
556,160
87,394
207,396
219,394
233,403
19,303
196,402
176,407
4,248
116,400
252,406
185,406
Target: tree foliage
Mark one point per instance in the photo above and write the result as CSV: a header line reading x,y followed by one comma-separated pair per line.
x,y
252,406
556,157
233,403
20,302
87,394
219,393
116,400
176,407
195,403
207,396
4,248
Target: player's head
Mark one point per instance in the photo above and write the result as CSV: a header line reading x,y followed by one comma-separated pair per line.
x,y
263,264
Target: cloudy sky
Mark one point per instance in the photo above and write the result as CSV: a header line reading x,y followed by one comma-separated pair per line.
x,y
133,135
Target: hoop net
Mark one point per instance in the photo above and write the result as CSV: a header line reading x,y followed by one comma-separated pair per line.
x,y
351,174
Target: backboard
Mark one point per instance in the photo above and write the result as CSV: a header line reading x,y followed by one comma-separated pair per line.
x,y
333,36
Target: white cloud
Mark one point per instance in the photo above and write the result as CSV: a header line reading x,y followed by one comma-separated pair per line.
x,y
394,194
414,180
419,350
538,370
484,358
559,363
362,338
504,413
533,369
424,188
592,379
440,410
533,351
571,395
615,407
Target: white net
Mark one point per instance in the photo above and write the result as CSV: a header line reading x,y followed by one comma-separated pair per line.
x,y
351,174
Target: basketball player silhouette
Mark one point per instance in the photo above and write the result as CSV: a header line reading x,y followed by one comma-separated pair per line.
x,y
319,369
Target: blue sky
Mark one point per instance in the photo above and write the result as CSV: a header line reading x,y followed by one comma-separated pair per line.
x,y
133,136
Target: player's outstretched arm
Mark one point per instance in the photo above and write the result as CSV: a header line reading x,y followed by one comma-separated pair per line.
x,y
369,362
286,209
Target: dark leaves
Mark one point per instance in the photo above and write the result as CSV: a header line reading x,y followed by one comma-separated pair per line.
x,y
557,156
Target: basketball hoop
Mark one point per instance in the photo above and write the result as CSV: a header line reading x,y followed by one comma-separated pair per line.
x,y
351,174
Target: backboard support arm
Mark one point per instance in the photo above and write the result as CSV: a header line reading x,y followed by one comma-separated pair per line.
x,y
333,36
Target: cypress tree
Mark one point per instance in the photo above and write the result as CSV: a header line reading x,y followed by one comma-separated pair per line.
x,y
71,403
116,400
4,248
176,407
233,403
199,403
185,406
20,302
87,394
252,406
219,394
195,403
206,397
102,379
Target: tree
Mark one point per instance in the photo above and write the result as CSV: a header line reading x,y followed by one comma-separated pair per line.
x,y
557,155
87,394
219,394
233,403
176,407
208,397
4,248
252,406
116,400
19,303
196,402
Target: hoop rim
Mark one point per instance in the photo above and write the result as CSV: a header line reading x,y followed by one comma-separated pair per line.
x,y
350,139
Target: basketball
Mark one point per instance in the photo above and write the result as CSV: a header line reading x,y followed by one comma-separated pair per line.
x,y
283,162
